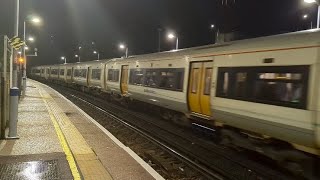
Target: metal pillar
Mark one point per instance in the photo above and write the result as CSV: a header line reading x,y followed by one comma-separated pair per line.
x,y
14,99
24,76
14,91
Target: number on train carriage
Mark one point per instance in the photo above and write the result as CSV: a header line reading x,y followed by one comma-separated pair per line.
x,y
124,79
199,87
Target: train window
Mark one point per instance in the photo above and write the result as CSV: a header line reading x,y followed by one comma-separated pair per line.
x,y
166,79
179,79
54,71
69,72
80,73
62,72
195,80
113,75
136,77
284,76
207,83
151,78
240,86
96,74
281,86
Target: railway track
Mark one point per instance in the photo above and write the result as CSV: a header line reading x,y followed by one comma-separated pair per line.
x,y
175,152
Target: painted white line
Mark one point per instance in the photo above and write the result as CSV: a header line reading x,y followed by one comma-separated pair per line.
x,y
145,165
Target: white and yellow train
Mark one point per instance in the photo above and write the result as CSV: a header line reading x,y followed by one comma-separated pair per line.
x,y
257,91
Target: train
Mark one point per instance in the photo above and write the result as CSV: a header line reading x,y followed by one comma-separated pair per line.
x,y
261,94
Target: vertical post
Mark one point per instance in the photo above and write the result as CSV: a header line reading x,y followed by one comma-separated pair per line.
x,y
98,56
65,60
14,91
127,52
14,98
318,19
24,76
177,44
159,39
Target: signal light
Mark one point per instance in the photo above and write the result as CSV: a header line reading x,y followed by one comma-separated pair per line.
x,y
21,60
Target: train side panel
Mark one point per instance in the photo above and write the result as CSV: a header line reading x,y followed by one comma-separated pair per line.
x,y
267,118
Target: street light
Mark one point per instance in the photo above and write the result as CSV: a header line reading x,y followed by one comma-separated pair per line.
x,y
31,39
77,56
95,52
318,3
122,46
65,59
172,36
305,16
26,48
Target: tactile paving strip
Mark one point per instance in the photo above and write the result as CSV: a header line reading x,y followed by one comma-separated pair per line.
x,y
30,170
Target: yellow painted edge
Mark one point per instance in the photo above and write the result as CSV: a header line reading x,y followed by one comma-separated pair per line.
x,y
63,142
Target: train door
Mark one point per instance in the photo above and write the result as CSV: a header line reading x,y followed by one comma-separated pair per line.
x,y
124,79
89,76
200,87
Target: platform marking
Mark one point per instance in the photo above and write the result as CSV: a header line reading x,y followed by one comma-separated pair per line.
x,y
63,142
145,165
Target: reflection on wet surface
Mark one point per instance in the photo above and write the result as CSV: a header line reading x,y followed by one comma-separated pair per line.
x,y
33,170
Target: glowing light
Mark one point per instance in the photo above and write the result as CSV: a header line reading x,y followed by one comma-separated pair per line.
x,y
310,1
212,26
171,36
122,46
95,52
76,55
63,57
31,39
26,48
36,20
305,16
21,60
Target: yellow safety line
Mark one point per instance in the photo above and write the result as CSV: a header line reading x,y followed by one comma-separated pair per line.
x,y
63,142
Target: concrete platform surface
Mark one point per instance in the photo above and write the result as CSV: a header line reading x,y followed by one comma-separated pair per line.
x,y
57,140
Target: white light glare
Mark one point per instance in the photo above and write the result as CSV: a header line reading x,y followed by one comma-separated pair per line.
x,y
94,52
36,20
310,1
62,57
171,36
305,16
26,48
31,39
76,55
122,46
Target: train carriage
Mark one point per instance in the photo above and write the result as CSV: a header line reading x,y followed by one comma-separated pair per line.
x,y
265,89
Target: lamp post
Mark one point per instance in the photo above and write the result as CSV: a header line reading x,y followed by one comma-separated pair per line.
x,y
77,56
65,59
34,20
305,16
96,52
172,36
212,28
318,3
122,46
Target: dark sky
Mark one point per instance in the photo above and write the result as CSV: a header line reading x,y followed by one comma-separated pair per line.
x,y
70,23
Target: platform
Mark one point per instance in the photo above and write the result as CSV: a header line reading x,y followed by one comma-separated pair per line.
x,y
57,140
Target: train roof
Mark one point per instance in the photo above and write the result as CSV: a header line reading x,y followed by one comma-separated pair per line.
x,y
301,38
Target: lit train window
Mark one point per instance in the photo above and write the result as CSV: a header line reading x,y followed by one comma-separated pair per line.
x,y
69,72
207,85
136,77
113,75
61,71
151,78
96,74
54,71
282,86
80,73
163,78
195,80
241,84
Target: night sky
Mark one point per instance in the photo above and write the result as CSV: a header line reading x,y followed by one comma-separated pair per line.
x,y
68,24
